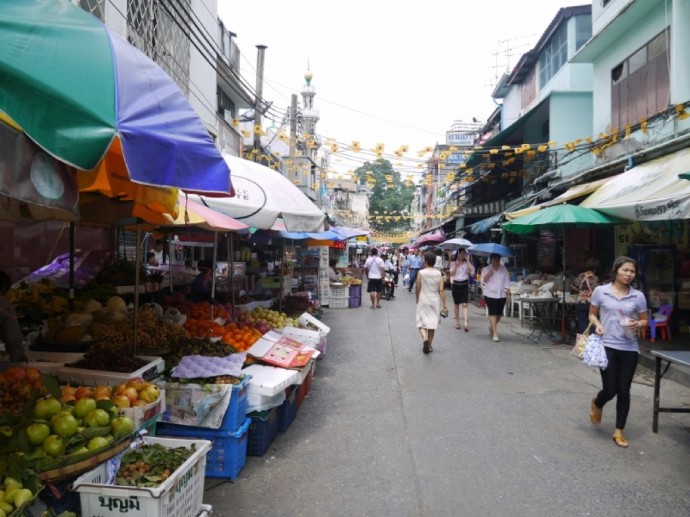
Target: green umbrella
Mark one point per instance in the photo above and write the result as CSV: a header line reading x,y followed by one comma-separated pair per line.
x,y
561,216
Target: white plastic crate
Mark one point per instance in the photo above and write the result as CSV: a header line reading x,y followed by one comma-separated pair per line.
x,y
340,291
339,303
181,495
149,371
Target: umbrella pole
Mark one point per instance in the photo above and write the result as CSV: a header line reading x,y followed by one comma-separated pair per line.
x,y
72,251
213,277
231,265
563,292
137,279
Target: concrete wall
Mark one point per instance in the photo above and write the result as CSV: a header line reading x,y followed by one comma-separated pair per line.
x,y
570,115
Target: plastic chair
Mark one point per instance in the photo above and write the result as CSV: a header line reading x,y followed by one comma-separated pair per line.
x,y
660,320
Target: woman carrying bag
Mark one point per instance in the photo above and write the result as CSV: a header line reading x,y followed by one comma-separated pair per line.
x,y
617,312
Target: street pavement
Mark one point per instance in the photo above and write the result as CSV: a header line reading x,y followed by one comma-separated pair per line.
x,y
476,428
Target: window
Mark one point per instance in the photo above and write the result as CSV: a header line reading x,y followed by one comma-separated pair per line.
x,y
640,85
583,30
553,57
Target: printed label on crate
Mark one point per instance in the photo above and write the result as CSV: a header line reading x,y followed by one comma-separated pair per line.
x,y
197,405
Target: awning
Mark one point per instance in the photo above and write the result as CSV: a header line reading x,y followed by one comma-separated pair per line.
x,y
651,191
485,225
573,192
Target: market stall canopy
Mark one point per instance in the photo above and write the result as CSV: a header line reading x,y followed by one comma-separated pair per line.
x,y
435,237
651,191
192,213
262,195
76,88
484,249
32,183
349,233
573,192
326,235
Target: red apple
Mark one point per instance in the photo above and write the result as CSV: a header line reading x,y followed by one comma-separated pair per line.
x,y
83,392
132,394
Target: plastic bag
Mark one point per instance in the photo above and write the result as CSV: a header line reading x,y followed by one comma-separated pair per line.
x,y
595,353
406,280
580,343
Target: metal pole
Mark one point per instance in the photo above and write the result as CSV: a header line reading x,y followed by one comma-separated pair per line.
x,y
213,278
137,280
72,251
231,258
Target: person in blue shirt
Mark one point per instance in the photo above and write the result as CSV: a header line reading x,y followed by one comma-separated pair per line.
x,y
416,264
617,312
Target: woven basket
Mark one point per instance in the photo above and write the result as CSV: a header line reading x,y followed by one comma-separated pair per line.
x,y
76,469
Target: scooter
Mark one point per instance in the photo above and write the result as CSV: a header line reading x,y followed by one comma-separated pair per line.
x,y
388,286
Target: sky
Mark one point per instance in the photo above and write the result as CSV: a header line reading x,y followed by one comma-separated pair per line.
x,y
391,72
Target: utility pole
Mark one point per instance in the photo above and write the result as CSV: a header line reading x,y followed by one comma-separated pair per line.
x,y
261,51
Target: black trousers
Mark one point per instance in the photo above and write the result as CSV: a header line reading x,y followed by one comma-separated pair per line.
x,y
616,381
582,316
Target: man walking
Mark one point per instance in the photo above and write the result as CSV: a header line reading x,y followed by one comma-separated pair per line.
x,y
374,270
415,265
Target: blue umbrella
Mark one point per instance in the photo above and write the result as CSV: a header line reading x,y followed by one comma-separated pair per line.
x,y
484,249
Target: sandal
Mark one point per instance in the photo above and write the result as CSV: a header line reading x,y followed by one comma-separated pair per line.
x,y
457,325
425,346
467,328
620,440
595,414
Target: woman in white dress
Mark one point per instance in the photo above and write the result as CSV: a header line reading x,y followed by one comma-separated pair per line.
x,y
431,295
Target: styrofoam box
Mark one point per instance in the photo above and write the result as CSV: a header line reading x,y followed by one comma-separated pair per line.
x,y
149,371
181,495
310,322
206,510
268,380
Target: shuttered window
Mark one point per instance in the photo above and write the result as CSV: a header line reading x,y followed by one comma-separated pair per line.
x,y
640,85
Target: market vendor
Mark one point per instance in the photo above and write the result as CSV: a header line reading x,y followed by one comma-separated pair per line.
x,y
201,285
332,273
10,333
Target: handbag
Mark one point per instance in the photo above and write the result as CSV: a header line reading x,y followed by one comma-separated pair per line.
x,y
580,343
444,313
595,353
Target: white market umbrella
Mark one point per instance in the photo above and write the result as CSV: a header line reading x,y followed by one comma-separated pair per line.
x,y
452,244
262,195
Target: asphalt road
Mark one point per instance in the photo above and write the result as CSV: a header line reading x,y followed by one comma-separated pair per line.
x,y
476,428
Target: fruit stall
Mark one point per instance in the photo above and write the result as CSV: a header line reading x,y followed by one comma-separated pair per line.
x,y
220,379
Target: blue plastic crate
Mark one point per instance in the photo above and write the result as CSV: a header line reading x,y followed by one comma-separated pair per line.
x,y
228,452
288,410
235,414
262,431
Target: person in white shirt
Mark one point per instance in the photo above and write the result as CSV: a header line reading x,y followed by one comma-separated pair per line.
x,y
496,280
460,271
374,269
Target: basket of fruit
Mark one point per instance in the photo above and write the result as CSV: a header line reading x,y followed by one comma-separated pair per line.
x,y
155,477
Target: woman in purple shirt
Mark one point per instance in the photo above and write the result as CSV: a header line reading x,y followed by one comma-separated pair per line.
x,y
617,312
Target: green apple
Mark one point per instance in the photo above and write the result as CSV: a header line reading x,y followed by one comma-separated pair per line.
x,y
38,432
53,446
97,442
83,406
46,408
